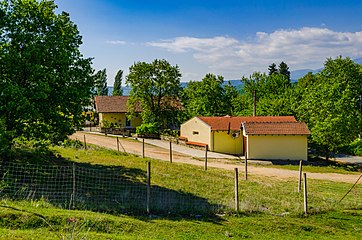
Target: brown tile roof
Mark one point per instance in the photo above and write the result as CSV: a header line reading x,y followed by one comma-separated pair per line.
x,y
222,123
276,128
113,104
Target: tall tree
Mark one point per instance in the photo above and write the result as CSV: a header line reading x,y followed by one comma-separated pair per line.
x,y
330,104
117,87
156,86
284,70
272,97
44,79
101,82
272,69
210,97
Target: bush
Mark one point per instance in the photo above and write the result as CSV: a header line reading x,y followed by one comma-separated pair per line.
x,y
169,132
356,147
38,145
4,139
71,143
106,124
147,128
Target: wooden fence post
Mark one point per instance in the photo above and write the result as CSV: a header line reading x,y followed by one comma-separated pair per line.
x,y
206,148
305,194
117,144
148,203
246,166
73,202
300,175
236,189
170,152
143,148
85,142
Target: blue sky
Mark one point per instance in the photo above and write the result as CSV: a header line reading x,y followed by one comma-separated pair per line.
x,y
230,38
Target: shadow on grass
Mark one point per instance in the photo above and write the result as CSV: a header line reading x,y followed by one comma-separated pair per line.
x,y
83,186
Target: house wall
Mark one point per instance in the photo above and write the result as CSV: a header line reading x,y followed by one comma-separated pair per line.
x,y
225,143
196,130
119,119
293,147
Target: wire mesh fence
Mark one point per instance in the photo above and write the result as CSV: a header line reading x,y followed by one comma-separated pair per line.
x,y
102,188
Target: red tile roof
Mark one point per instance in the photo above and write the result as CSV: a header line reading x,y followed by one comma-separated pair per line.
x,y
222,123
276,128
113,104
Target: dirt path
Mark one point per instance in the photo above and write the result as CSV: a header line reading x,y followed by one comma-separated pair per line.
x,y
151,151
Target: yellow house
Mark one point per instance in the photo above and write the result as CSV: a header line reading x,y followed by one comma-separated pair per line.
x,y
113,109
227,135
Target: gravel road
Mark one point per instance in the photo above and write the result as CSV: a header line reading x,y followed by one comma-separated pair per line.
x,y
152,151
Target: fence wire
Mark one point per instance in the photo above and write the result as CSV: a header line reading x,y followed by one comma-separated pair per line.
x,y
100,188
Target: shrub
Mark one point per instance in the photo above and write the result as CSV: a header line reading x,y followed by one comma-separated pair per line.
x,y
356,147
106,124
169,132
147,128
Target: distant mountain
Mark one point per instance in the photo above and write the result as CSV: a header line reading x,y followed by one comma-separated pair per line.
x,y
294,76
236,83
125,89
358,60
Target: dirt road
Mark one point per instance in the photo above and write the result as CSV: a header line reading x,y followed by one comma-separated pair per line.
x,y
151,151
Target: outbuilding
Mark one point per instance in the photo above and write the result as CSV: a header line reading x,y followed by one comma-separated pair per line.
x,y
271,137
113,110
276,140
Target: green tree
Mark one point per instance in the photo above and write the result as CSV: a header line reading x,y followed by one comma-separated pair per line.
x,y
101,83
117,87
209,97
44,80
284,70
273,94
156,87
330,104
272,69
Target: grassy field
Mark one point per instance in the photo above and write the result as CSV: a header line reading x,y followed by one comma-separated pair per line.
x,y
269,208
331,168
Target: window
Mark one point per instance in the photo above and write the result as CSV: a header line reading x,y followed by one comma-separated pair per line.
x,y
128,122
195,133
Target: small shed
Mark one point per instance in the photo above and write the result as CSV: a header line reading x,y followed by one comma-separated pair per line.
x,y
276,140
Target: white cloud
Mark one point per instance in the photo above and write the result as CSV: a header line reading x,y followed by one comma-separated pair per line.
x,y
117,42
299,48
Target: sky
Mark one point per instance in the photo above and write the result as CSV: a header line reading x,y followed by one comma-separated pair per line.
x,y
232,38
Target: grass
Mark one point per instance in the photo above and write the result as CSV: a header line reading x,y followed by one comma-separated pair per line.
x,y
216,185
93,225
341,168
269,207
